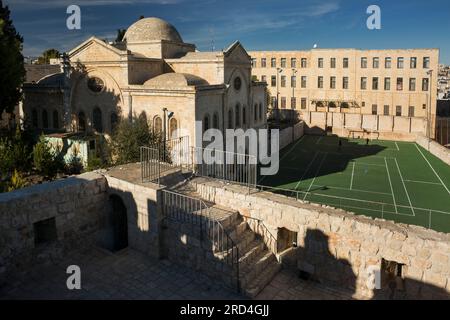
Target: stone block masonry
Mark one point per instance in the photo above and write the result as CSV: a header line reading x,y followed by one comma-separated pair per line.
x,y
41,223
338,248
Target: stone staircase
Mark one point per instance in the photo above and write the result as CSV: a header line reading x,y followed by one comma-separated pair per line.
x,y
257,264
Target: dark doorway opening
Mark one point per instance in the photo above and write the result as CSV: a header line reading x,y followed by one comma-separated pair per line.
x,y
286,239
119,223
45,231
392,277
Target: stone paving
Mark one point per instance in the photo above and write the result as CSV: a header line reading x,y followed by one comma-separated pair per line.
x,y
131,275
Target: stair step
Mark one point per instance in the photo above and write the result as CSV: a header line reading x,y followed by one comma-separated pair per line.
x,y
258,266
242,243
254,249
262,280
235,231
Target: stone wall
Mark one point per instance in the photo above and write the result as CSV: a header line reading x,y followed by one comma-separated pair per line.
x,y
76,204
435,148
351,124
291,134
339,248
143,213
183,245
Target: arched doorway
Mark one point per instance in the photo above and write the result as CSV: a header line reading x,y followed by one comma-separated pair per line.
x,y
119,223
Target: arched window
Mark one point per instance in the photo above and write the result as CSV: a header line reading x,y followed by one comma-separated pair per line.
x,y
244,115
97,120
332,105
114,121
34,118
81,122
157,124
44,119
215,121
255,110
173,127
237,121
230,119
55,119
206,123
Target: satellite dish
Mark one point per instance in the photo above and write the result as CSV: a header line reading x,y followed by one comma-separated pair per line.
x,y
315,46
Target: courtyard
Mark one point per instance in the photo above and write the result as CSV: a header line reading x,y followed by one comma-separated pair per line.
x,y
129,275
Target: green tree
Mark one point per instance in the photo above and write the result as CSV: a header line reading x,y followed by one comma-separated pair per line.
x,y
12,70
120,34
47,55
44,159
128,137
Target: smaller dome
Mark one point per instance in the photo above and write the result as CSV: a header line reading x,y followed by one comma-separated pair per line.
x,y
175,80
56,79
151,29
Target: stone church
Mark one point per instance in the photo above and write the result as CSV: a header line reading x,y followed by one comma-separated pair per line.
x,y
152,73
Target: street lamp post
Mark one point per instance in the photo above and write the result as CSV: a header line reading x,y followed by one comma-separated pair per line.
x,y
167,116
430,73
279,70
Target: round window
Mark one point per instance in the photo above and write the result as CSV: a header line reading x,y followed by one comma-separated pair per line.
x,y
95,84
237,83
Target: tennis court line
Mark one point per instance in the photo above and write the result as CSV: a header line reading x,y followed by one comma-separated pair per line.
x,y
368,164
404,186
442,182
396,144
307,168
424,182
353,173
318,140
390,183
315,176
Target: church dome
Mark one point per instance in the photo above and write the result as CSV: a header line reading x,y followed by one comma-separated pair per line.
x,y
175,80
151,29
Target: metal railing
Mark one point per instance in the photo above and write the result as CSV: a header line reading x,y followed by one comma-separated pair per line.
x,y
159,159
223,165
182,208
150,165
383,210
258,226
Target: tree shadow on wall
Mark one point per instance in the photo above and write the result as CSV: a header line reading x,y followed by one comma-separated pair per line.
x,y
104,109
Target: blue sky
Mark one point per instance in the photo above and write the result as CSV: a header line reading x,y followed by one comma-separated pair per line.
x,y
258,24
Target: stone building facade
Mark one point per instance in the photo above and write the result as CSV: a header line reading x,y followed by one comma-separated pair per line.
x,y
151,70
320,83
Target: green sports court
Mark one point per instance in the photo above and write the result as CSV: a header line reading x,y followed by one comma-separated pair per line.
x,y
398,181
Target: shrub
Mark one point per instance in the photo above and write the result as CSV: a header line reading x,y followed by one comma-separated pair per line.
x,y
17,182
94,164
75,166
6,157
44,160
